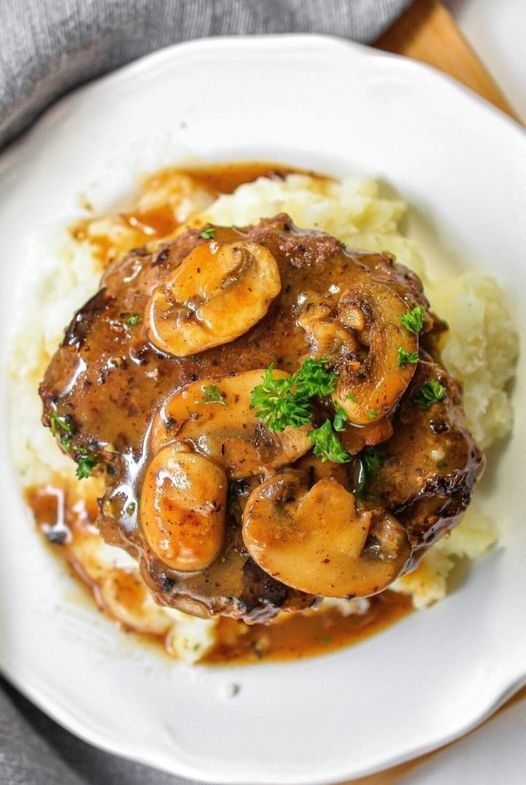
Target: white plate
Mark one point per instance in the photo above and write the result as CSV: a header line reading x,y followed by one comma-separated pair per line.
x,y
333,106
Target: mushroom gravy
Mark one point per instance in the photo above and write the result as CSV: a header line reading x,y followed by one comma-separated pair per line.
x,y
67,524
157,215
65,520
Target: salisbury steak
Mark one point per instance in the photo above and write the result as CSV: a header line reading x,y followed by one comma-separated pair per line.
x,y
175,381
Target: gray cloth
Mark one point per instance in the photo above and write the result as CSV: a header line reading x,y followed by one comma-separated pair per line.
x,y
48,47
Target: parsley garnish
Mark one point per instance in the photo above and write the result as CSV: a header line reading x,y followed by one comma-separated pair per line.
x,y
327,445
86,462
371,461
277,405
414,320
59,423
283,402
340,418
208,233
431,392
442,464
133,319
312,378
406,357
372,414
212,394
66,442
350,397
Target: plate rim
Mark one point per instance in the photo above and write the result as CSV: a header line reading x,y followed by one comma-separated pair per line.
x,y
11,156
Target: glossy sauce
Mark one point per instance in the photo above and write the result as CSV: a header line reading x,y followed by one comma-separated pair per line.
x,y
67,522
161,221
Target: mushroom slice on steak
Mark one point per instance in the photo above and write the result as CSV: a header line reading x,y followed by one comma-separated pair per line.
x,y
318,541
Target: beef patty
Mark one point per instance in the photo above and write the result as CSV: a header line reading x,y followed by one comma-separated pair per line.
x,y
109,388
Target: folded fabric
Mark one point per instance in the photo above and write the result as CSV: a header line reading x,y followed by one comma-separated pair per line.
x,y
49,46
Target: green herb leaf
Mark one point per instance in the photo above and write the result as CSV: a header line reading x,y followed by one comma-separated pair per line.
x,y
86,462
404,358
65,441
371,461
212,394
133,319
431,392
59,423
372,414
277,405
283,402
130,509
350,397
442,464
208,233
313,378
327,445
414,320
340,418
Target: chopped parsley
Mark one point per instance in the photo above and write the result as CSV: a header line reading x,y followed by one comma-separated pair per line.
x,y
312,378
65,441
442,464
431,392
59,423
86,462
414,320
406,358
133,319
130,509
278,405
208,233
371,461
372,414
212,394
283,402
340,418
350,397
327,445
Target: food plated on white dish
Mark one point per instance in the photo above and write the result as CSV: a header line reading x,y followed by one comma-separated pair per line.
x,y
265,427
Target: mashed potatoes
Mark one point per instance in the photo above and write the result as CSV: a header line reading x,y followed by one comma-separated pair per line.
x,y
479,349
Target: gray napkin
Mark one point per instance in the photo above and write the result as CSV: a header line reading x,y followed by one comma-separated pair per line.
x,y
48,47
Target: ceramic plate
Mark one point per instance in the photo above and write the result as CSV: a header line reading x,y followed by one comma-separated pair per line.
x,y
320,103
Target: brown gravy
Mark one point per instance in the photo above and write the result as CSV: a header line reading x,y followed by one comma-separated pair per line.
x,y
66,521
161,221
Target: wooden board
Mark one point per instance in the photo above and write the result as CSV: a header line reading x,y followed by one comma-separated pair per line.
x,y
427,32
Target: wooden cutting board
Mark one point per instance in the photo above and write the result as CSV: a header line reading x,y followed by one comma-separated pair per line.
x,y
427,32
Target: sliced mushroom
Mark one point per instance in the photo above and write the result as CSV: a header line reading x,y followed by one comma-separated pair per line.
x,y
318,541
371,382
326,336
361,336
182,508
226,430
216,294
